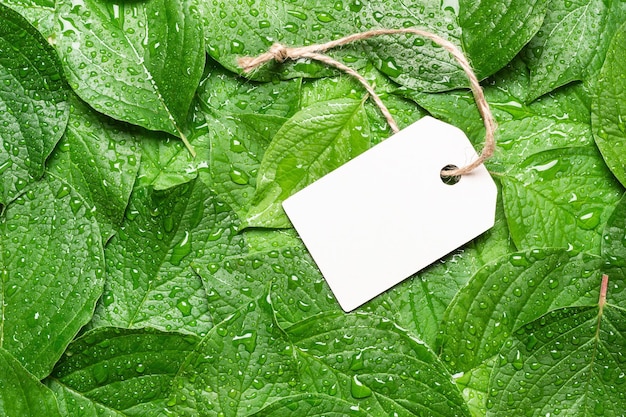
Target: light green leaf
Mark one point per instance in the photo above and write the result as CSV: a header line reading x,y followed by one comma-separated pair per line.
x,y
32,104
150,276
571,359
116,372
494,31
21,394
40,14
572,42
52,269
474,386
609,107
99,158
136,62
315,141
505,295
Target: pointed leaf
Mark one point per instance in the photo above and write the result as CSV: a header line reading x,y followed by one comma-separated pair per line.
x,y
609,107
32,103
40,13
137,62
315,141
505,295
494,32
21,394
571,359
560,198
116,372
151,281
52,266
99,158
572,42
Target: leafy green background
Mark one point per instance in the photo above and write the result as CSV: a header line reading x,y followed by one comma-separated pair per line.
x,y
139,280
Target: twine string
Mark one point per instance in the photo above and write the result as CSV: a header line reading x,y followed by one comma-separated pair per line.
x,y
281,53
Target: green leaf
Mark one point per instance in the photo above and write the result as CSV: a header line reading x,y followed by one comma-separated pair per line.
x,y
494,32
572,42
571,359
505,295
233,121
150,262
233,30
32,104
21,394
52,266
104,363
99,159
139,62
614,240
374,365
40,14
570,186
609,107
315,141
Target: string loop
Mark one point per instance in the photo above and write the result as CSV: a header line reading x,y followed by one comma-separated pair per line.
x,y
280,53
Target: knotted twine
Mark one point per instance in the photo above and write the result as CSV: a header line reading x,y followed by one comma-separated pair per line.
x,y
280,53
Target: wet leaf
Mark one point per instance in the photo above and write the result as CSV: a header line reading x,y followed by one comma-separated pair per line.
x,y
150,262
572,42
104,363
52,268
21,394
503,296
136,62
609,107
32,104
99,158
571,359
312,143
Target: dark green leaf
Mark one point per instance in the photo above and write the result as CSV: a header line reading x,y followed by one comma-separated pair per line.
x,y
494,32
33,104
609,107
234,30
40,13
137,62
571,359
116,372
505,295
52,268
99,158
21,394
150,262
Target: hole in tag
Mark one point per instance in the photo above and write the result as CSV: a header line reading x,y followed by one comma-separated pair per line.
x,y
450,180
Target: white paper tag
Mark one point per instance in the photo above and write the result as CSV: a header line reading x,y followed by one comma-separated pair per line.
x,y
386,214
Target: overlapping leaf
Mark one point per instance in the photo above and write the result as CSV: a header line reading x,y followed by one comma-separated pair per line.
x,y
52,268
21,394
137,62
311,144
100,160
151,281
117,372
572,42
609,107
571,359
32,103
